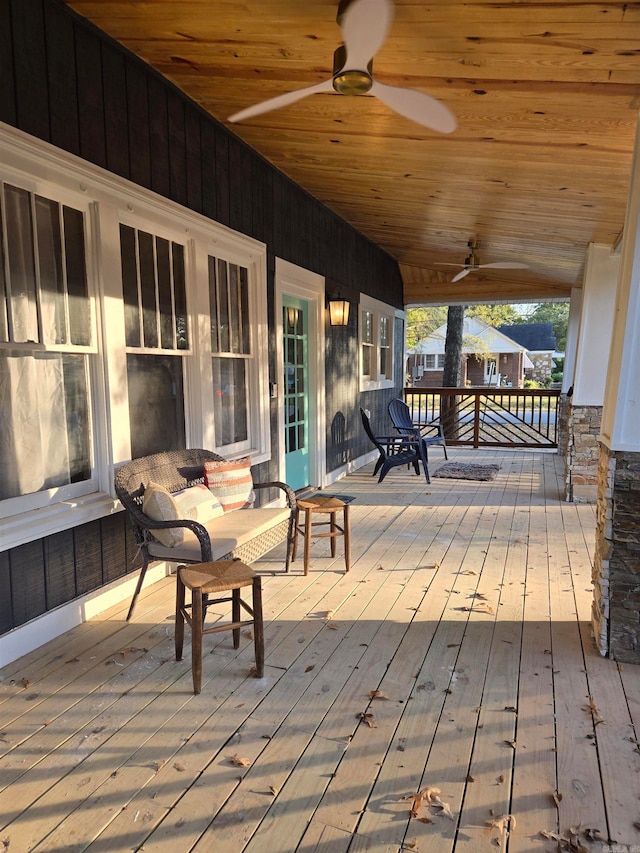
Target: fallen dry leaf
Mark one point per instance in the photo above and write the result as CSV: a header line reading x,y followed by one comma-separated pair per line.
x,y
310,667
333,626
511,743
25,682
556,797
367,718
504,824
273,790
410,845
238,761
179,767
591,706
511,708
377,694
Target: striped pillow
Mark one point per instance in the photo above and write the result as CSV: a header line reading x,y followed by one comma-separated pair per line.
x,y
231,482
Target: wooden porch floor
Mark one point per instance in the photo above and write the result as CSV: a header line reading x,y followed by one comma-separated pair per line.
x,y
467,607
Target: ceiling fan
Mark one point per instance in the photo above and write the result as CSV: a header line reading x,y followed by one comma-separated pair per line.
x,y
471,264
364,25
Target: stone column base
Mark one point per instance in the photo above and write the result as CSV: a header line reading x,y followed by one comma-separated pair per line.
x,y
581,460
616,569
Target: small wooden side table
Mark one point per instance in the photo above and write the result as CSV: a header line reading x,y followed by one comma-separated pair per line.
x,y
322,505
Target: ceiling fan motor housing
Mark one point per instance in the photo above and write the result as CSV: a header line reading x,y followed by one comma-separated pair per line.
x,y
350,81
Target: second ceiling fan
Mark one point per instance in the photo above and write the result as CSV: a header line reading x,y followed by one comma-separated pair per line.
x,y
471,264
364,25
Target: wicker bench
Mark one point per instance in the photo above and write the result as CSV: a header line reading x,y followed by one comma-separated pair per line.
x,y
246,534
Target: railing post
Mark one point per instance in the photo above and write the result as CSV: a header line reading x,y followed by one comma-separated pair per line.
x,y
476,421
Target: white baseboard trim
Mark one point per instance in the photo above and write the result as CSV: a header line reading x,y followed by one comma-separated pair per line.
x,y
50,625
350,467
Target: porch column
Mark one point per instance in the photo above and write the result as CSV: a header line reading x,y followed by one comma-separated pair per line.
x,y
616,607
568,374
584,407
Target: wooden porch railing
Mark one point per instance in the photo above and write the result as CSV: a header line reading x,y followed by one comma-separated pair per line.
x,y
489,417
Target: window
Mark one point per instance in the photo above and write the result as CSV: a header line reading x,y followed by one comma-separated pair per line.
x,y
128,325
231,351
368,346
433,362
156,329
46,337
376,344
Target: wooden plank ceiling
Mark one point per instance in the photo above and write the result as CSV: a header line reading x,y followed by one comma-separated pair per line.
x,y
546,95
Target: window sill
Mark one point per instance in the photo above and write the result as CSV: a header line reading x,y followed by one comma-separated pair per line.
x,y
37,523
373,385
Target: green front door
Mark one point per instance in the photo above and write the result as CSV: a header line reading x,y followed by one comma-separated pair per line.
x,y
296,391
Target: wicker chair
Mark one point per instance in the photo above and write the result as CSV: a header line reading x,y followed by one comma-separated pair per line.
x,y
180,469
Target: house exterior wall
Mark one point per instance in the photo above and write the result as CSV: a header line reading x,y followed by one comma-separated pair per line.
x,y
66,83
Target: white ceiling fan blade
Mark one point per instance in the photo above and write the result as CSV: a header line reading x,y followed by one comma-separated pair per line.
x,y
281,101
504,265
461,274
364,26
445,264
416,106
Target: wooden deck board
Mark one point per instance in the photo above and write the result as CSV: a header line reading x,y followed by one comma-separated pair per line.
x,y
467,605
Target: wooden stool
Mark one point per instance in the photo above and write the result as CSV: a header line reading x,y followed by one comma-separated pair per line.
x,y
324,504
204,579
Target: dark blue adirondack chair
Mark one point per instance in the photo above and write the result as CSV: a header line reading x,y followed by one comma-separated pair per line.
x,y
394,450
430,433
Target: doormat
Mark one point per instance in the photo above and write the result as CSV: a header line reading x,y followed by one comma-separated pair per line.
x,y
457,471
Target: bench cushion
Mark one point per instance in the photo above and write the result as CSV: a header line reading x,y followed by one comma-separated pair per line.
x,y
227,533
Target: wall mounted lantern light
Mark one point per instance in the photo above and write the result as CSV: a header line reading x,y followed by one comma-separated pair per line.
x,y
338,311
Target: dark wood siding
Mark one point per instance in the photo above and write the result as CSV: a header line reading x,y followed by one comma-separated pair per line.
x,y
63,81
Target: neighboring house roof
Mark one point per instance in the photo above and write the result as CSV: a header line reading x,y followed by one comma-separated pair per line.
x,y
535,337
478,337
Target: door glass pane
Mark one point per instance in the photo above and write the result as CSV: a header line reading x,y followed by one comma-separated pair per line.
x,y
294,372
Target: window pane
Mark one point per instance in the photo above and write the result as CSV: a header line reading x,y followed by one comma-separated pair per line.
x,y
235,303
22,271
222,295
79,313
384,331
156,403
130,285
367,352
180,295
367,327
4,327
384,361
148,289
44,422
165,302
53,314
244,306
230,401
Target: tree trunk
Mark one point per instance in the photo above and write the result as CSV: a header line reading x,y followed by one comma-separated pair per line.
x,y
451,376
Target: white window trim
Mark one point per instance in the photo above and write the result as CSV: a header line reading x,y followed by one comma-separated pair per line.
x,y
38,165
378,309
